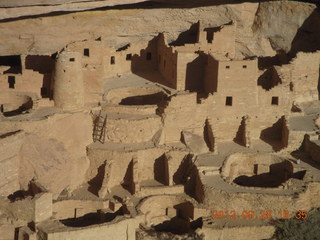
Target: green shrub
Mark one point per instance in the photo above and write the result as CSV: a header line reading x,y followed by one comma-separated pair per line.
x,y
300,229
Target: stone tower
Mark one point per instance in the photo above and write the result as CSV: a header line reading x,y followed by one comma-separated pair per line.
x,y
68,91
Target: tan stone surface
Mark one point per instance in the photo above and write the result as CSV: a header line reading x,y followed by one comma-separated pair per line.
x,y
10,145
125,121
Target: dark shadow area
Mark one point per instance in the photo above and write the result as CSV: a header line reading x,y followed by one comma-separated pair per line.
x,y
159,169
195,74
187,37
210,33
307,38
180,221
14,62
279,173
300,175
267,62
91,219
240,134
181,175
125,47
40,63
150,99
198,223
175,225
46,86
273,135
33,189
319,84
193,186
305,157
295,108
16,233
265,180
156,4
96,182
128,178
19,195
9,134
208,136
268,79
24,107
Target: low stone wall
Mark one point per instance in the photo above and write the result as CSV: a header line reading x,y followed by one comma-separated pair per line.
x,y
6,231
71,208
143,110
128,130
118,229
239,233
148,191
10,145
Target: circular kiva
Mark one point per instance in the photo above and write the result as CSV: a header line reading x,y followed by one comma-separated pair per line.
x,y
135,96
12,104
258,170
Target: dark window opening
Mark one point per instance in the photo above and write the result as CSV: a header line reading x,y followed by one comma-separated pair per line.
x,y
1,108
86,52
275,101
129,57
11,81
244,66
71,59
255,169
227,67
149,56
13,62
40,63
209,36
112,60
228,101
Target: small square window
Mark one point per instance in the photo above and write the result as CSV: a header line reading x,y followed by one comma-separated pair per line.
x,y
255,168
244,66
149,56
129,57
228,101
275,101
112,60
227,67
71,59
86,52
11,81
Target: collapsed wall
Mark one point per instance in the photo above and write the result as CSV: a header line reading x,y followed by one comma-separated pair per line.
x,y
10,145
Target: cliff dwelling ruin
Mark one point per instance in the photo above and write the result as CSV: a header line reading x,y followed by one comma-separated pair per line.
x,y
139,120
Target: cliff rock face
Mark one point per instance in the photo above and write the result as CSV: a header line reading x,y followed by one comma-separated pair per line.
x,y
261,27
280,21
15,9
